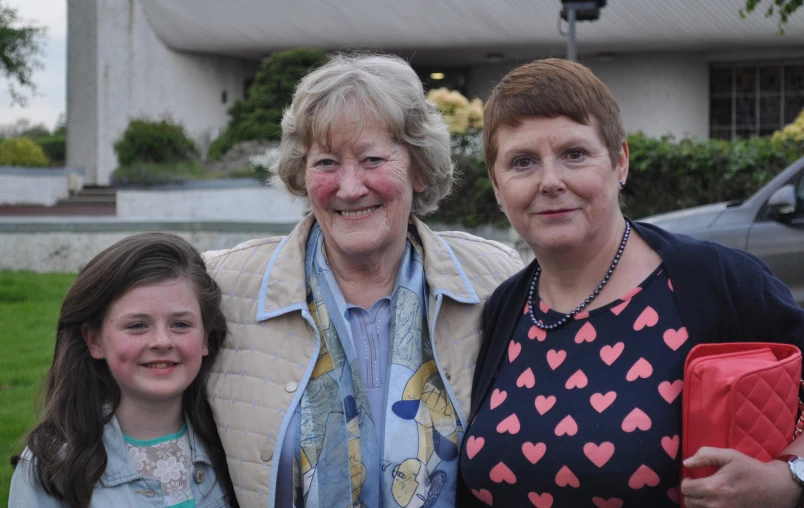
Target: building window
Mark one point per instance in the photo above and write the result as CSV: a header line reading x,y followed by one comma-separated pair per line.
x,y
754,99
454,78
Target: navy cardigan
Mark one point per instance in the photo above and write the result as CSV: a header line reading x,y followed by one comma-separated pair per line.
x,y
723,295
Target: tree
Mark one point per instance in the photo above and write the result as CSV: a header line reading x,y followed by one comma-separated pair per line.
x,y
21,46
258,116
783,7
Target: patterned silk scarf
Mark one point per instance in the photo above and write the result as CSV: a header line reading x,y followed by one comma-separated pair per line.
x,y
339,461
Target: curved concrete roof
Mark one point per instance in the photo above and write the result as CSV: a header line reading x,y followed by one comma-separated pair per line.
x,y
252,28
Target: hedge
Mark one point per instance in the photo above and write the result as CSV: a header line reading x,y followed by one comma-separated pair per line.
x,y
665,175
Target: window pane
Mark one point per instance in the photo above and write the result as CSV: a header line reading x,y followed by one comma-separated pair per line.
x,y
720,112
767,131
794,78
793,104
745,132
720,133
746,80
770,111
720,80
746,111
770,79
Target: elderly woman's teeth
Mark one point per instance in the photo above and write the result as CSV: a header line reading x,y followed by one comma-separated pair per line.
x,y
359,213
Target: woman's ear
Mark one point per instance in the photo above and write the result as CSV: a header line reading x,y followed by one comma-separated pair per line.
x,y
92,339
205,345
622,163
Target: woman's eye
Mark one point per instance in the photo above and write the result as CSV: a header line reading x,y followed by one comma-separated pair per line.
x,y
325,164
575,154
373,161
522,162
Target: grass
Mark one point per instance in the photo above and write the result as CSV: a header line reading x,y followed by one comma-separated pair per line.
x,y
29,309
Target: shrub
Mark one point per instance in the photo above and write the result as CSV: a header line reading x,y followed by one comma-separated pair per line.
x,y
258,116
146,141
667,175
461,115
793,132
22,152
146,174
55,147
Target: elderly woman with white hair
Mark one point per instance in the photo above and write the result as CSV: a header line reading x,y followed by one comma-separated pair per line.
x,y
346,378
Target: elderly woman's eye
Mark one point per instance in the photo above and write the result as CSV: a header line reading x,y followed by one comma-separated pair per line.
x,y
373,161
325,164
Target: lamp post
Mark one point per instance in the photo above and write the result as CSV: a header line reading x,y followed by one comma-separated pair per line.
x,y
573,11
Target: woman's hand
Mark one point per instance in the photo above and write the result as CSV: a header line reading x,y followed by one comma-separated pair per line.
x,y
740,481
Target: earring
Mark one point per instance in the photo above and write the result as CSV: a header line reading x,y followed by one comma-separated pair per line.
x,y
97,352
205,350
622,185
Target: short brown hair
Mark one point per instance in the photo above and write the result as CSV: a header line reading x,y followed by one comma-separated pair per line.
x,y
550,88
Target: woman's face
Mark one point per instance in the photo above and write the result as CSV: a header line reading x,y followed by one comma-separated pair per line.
x,y
361,190
555,181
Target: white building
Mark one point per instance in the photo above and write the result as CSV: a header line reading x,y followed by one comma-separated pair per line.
x,y
681,67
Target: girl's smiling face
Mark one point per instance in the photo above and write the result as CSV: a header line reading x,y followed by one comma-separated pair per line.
x,y
153,340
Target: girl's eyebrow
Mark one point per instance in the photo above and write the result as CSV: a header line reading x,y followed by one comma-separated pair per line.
x,y
142,315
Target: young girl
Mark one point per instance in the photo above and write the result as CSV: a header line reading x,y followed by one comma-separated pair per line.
x,y
126,421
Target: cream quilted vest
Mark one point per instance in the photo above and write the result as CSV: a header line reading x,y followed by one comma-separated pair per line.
x,y
272,344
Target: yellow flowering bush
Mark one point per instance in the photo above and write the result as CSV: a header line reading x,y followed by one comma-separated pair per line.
x,y
460,114
22,152
792,132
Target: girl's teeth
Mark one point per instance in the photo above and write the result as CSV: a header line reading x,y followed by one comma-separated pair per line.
x,y
158,365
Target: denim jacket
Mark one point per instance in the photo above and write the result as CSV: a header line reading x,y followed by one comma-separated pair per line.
x,y
121,485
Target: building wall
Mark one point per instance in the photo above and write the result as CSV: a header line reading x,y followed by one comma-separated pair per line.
x,y
120,70
657,93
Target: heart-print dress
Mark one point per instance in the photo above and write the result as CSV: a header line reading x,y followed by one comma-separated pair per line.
x,y
589,414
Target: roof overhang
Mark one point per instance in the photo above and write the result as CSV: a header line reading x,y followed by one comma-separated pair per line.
x,y
461,31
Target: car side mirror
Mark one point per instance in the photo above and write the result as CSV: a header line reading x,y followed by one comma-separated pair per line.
x,y
782,203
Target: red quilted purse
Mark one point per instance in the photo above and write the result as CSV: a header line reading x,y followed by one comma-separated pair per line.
x,y
743,396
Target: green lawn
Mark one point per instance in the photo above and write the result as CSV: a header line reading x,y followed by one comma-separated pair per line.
x,y
29,308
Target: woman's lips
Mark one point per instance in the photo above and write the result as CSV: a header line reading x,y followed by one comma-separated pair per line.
x,y
558,211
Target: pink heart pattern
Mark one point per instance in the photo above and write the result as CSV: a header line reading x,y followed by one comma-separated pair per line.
x,y
502,473
473,446
556,358
545,404
526,379
615,407
534,452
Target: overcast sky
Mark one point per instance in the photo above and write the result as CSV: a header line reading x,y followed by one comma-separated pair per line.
x,y
51,80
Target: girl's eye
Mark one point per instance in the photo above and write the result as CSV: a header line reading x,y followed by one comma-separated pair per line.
x,y
182,324
136,326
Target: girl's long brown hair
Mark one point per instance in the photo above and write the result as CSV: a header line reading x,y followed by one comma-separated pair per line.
x,y
80,395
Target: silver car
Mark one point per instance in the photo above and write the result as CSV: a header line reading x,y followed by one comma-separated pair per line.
x,y
769,224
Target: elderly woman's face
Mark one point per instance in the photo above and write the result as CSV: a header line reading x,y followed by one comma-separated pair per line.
x,y
361,190
555,181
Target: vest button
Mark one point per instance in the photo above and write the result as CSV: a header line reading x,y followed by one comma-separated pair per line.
x,y
266,454
199,476
291,387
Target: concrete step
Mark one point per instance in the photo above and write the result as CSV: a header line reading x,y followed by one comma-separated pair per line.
x,y
82,199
